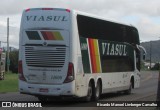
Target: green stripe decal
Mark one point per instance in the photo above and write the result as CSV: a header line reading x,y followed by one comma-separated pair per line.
x,y
33,35
85,55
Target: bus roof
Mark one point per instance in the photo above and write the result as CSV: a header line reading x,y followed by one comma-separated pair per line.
x,y
106,29
87,21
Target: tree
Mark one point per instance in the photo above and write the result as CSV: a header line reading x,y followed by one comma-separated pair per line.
x,y
155,67
13,56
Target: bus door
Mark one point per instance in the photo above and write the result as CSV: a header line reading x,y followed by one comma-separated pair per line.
x,y
137,70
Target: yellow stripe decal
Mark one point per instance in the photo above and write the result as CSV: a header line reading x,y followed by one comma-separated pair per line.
x,y
58,35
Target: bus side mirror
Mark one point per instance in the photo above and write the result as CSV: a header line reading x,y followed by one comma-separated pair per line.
x,y
144,56
144,51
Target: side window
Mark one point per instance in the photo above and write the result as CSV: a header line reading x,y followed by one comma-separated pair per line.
x,y
117,64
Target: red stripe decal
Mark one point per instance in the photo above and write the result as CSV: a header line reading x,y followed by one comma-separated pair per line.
x,y
50,36
44,35
92,55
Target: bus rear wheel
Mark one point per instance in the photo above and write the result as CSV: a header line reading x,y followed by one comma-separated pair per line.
x,y
90,92
97,91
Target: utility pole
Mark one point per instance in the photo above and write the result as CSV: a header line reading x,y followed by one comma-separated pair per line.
x,y
150,53
158,90
8,61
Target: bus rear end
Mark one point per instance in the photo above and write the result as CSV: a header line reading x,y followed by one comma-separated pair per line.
x,y
45,68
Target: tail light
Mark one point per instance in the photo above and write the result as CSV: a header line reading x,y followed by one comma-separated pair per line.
x,y
47,8
68,10
27,9
20,71
59,9
70,73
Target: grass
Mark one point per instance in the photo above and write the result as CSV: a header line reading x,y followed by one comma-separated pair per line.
x,y
10,83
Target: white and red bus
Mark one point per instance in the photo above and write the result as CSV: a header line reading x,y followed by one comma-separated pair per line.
x,y
69,53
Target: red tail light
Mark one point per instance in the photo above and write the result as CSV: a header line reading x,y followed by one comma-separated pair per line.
x,y
70,73
68,10
20,71
28,9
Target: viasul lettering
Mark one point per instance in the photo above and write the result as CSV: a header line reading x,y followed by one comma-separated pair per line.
x,y
114,49
84,46
46,18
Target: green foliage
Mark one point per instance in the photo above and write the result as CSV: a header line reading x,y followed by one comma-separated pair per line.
x,y
13,55
142,66
156,67
10,83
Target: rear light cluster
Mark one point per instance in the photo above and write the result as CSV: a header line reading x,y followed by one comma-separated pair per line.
x,y
47,8
70,73
20,71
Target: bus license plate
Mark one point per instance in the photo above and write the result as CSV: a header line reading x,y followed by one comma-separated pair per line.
x,y
43,90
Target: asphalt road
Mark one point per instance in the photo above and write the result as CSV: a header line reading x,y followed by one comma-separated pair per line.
x,y
146,92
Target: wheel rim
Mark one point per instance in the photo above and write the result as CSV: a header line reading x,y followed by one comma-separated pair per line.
x,y
89,91
130,89
97,90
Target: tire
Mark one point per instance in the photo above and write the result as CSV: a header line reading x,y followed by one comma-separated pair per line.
x,y
97,91
90,93
129,91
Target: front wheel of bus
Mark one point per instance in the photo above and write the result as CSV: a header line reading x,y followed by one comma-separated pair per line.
x,y
127,92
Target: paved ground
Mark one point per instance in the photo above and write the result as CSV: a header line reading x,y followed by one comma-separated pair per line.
x,y
147,92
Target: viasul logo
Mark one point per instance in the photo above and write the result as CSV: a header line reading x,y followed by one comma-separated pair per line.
x,y
114,49
84,46
46,18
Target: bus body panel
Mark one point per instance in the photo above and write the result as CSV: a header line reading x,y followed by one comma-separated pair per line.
x,y
47,90
137,78
49,35
45,50
46,61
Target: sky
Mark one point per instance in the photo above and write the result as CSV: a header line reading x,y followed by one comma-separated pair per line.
x,y
143,14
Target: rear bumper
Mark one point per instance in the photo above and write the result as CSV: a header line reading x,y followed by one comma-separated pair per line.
x,y
52,97
66,89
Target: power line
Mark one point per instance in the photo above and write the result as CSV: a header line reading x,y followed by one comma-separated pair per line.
x,y
8,60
